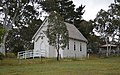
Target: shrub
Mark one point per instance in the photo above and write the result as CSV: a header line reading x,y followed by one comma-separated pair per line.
x,y
1,56
10,55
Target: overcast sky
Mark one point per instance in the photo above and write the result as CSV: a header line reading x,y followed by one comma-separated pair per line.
x,y
92,7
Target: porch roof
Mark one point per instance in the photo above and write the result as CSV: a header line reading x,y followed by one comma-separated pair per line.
x,y
108,45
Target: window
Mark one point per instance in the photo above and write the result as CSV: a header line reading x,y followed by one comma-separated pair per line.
x,y
74,46
80,46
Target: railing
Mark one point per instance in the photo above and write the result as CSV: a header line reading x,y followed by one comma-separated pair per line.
x,y
30,54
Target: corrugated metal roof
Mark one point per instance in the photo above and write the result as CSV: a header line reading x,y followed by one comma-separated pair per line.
x,y
75,33
108,45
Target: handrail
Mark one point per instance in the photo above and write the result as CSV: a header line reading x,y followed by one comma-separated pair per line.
x,y
30,54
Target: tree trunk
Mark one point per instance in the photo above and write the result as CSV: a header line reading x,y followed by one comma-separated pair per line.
x,y
107,54
58,55
3,44
6,33
118,53
110,48
4,40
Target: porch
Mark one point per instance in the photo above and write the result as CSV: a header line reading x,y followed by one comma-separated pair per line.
x,y
30,54
108,48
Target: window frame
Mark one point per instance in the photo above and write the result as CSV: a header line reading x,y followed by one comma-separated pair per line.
x,y
80,47
74,46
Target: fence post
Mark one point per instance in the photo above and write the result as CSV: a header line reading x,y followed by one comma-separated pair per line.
x,y
33,54
88,55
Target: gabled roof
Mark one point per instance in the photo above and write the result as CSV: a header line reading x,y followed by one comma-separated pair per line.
x,y
74,33
39,28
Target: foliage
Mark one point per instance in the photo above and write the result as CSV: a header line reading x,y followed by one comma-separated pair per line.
x,y
107,24
21,22
10,55
65,8
86,28
101,22
22,37
1,56
94,43
115,14
57,32
103,26
22,18
2,33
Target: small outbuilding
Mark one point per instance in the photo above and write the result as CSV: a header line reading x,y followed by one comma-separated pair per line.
x,y
110,48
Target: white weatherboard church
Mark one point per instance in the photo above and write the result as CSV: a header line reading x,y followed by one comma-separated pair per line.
x,y
77,43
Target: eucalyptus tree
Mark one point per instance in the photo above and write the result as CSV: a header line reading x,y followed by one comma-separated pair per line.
x,y
107,23
57,32
113,11
103,26
18,14
115,15
20,39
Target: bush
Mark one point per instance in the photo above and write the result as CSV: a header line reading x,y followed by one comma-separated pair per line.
x,y
10,55
1,56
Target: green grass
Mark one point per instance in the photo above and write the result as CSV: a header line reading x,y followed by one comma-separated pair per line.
x,y
92,66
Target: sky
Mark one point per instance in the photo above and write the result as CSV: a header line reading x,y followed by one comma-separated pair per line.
x,y
92,7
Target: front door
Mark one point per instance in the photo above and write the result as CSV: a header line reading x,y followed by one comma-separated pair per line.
x,y
42,49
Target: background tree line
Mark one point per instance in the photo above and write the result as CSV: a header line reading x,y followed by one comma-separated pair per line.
x,y
107,24
22,18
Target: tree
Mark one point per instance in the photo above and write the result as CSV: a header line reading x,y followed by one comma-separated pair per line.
x,y
117,1
115,14
19,14
1,56
20,39
108,23
2,32
57,32
78,15
27,33
104,26
65,8
86,28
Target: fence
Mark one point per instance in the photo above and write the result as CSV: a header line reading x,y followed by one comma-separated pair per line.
x,y
30,54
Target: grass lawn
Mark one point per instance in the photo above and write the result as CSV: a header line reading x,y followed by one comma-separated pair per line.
x,y
92,66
